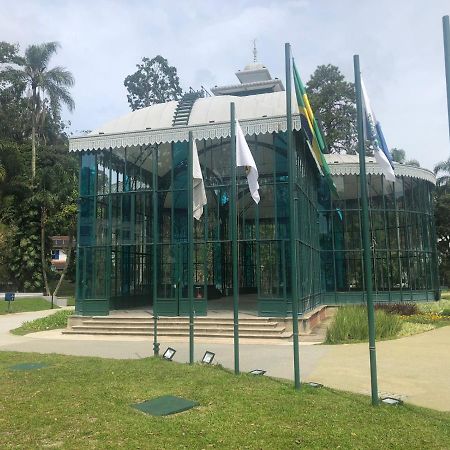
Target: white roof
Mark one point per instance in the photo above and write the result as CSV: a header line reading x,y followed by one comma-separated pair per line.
x,y
209,118
153,117
205,111
349,165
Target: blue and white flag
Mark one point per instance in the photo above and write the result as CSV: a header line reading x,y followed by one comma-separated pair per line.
x,y
375,135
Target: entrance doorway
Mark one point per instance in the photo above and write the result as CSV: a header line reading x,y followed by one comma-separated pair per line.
x,y
172,284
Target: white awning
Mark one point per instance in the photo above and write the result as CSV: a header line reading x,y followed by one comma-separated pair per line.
x,y
209,119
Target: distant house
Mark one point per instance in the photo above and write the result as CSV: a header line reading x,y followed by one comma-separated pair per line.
x,y
59,252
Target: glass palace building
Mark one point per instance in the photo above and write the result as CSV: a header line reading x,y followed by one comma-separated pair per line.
x,y
132,244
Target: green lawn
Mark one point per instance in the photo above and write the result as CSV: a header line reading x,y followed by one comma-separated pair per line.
x,y
25,304
84,403
52,322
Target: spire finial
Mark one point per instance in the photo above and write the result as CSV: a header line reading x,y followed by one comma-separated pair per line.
x,y
254,51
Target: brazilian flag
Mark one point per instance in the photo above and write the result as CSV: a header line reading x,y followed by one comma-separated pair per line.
x,y
311,128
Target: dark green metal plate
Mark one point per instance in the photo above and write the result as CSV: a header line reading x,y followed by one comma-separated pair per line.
x,y
163,406
28,366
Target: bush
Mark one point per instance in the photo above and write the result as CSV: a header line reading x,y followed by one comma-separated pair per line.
x,y
445,312
402,309
350,325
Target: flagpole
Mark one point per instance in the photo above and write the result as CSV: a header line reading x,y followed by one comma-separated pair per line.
x,y
155,249
292,216
234,244
446,29
365,233
190,236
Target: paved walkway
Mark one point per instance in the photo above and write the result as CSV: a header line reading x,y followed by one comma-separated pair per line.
x,y
415,368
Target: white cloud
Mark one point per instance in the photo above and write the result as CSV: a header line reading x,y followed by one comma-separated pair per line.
x,y
399,43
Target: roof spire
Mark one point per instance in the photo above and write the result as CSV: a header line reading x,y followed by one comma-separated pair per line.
x,y
254,51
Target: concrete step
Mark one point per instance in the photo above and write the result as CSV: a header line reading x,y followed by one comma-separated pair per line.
x,y
167,321
221,334
164,329
252,327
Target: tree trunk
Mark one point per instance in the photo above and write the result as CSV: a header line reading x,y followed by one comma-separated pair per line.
x,y
69,255
43,261
33,150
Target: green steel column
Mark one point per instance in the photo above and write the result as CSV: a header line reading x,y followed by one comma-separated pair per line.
x,y
365,233
78,277
446,27
190,236
155,249
110,219
292,157
234,243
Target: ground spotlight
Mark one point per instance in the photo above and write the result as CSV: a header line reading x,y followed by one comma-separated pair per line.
x,y
257,372
208,357
169,353
391,401
314,384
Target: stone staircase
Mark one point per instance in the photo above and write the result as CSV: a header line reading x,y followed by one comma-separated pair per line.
x,y
250,328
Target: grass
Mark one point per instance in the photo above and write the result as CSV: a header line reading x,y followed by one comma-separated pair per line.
x,y
84,403
392,321
52,322
25,304
410,328
350,325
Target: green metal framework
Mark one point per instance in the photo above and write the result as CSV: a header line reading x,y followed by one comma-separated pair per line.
x,y
133,242
402,234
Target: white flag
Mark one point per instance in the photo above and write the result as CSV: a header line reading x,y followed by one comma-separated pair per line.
x,y
199,194
375,135
244,157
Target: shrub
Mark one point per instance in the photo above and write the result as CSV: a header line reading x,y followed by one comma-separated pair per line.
x,y
350,325
445,312
403,309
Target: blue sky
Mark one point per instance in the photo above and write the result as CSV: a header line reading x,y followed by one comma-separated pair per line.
x,y
399,43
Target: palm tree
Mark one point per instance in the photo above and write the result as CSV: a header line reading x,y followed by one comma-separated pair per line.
x,y
48,88
442,171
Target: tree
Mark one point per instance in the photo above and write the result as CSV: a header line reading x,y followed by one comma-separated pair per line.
x,y
56,195
154,82
442,172
413,162
333,100
442,217
48,88
398,155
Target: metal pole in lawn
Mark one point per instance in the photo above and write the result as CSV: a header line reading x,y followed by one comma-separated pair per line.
x,y
446,29
190,236
365,233
155,249
234,244
292,165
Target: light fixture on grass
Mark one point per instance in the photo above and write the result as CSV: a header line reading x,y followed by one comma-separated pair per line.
x,y
314,384
391,401
169,353
257,372
208,357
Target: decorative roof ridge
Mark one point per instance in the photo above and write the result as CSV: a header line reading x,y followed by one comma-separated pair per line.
x,y
217,130
352,168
